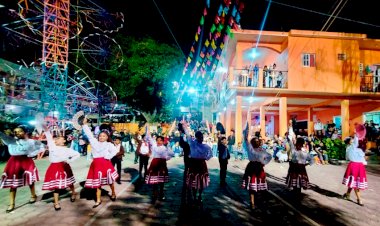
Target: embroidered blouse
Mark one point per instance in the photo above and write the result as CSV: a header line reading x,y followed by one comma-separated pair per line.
x,y
99,149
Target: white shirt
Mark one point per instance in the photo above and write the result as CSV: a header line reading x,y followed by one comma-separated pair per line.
x,y
318,126
144,148
99,149
59,153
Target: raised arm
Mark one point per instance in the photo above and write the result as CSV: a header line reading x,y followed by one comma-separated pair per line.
x,y
93,141
7,140
50,141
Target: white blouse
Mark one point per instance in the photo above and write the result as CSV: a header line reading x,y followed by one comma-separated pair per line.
x,y
99,149
257,154
17,147
161,152
59,153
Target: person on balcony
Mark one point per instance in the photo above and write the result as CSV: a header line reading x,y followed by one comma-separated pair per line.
x,y
266,76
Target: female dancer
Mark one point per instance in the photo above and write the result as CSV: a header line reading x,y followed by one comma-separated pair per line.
x,y
20,169
254,178
297,176
197,176
157,173
59,174
101,170
355,176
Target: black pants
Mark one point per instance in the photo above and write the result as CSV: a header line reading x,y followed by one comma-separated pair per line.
x,y
143,162
116,161
223,170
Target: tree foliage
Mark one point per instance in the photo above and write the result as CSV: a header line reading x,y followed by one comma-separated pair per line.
x,y
144,81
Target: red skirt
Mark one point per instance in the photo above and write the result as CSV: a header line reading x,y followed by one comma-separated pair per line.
x,y
58,176
101,172
297,176
157,172
355,176
254,178
19,171
197,174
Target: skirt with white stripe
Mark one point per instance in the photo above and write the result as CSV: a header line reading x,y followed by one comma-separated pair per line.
x,y
297,176
355,176
101,172
197,174
58,176
157,172
19,171
254,178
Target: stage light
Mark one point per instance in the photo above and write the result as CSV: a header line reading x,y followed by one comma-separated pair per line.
x,y
32,122
192,90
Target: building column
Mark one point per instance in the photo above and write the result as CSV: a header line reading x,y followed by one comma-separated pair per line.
x,y
262,122
221,117
231,76
345,117
310,123
283,117
227,126
238,119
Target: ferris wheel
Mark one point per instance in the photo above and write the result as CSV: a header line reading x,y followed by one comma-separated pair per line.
x,y
106,97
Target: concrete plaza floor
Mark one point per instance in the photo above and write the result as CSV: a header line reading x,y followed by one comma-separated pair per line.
x,y
320,205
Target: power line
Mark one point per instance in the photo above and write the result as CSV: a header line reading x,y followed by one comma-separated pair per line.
x,y
337,15
170,30
325,14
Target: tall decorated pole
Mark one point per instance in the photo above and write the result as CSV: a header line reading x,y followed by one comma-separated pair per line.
x,y
55,54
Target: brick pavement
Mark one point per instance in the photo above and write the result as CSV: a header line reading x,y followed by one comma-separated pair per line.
x,y
221,206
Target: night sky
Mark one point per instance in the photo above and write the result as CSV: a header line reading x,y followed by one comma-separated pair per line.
x,y
142,17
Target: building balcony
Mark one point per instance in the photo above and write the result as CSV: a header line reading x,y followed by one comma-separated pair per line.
x,y
273,79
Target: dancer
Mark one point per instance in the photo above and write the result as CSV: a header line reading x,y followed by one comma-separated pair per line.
x,y
59,174
355,176
254,179
297,176
101,170
118,158
20,169
223,157
158,174
144,152
197,177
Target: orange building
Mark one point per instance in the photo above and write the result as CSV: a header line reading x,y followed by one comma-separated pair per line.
x,y
270,77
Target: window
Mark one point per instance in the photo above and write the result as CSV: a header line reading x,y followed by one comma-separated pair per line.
x,y
342,56
308,60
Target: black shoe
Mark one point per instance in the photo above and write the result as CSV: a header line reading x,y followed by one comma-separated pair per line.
x,y
162,198
96,204
10,208
57,207
119,182
113,198
73,197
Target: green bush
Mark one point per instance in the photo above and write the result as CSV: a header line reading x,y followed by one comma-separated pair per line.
x,y
336,149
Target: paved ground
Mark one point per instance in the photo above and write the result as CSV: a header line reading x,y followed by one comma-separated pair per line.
x,y
321,205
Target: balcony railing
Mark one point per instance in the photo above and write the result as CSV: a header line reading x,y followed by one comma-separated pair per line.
x,y
260,79
370,83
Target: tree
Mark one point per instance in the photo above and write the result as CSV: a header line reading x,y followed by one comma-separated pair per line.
x,y
144,80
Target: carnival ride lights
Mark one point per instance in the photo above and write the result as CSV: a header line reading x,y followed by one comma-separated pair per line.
x,y
52,23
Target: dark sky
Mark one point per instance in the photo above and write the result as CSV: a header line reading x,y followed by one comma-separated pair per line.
x,y
142,17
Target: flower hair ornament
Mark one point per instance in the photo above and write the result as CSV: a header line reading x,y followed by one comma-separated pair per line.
x,y
77,120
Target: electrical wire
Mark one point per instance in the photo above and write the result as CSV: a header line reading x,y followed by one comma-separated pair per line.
x,y
170,30
325,14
